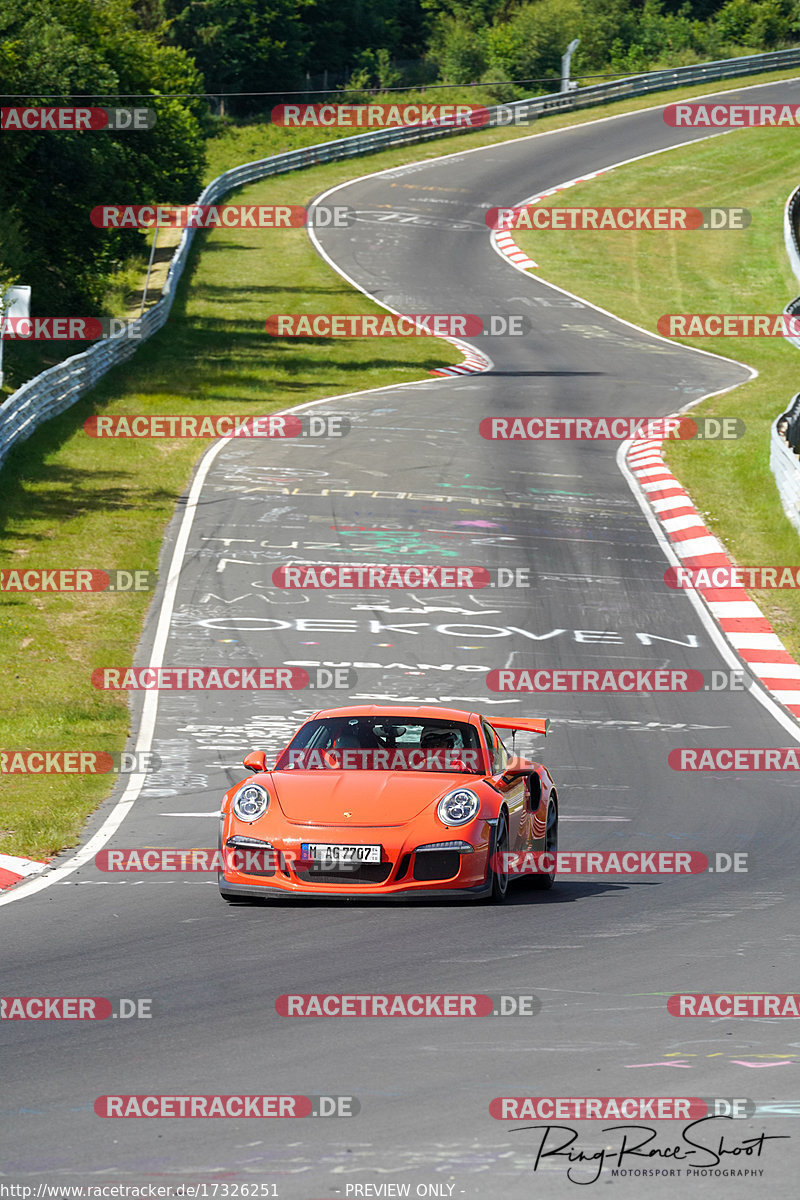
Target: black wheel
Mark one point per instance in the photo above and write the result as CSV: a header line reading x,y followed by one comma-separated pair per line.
x,y
541,883
499,877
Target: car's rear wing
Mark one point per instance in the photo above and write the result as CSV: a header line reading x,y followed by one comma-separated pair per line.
x,y
529,724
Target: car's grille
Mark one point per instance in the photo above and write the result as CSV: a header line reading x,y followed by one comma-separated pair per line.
x,y
367,873
402,867
436,864
252,860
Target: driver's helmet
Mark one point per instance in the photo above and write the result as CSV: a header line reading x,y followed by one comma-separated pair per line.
x,y
434,738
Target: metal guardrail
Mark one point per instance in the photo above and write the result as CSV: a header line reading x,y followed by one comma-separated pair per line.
x,y
784,462
61,386
791,214
788,425
784,438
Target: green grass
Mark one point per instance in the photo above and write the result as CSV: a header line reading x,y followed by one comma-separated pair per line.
x,y
642,275
67,500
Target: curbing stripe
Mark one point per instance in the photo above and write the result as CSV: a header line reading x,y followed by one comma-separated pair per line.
x,y
13,869
736,614
474,362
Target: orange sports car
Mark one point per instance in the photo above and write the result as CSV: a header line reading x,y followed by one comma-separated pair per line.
x,y
389,801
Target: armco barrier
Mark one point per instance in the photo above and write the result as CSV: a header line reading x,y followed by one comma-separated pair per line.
x,y
784,441
788,425
58,388
785,466
791,213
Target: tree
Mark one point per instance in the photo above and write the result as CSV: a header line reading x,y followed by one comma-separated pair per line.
x,y
241,45
459,50
530,45
75,51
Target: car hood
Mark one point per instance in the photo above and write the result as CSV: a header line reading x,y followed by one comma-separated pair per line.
x,y
372,798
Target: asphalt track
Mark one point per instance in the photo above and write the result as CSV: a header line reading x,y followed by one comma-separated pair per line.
x,y
413,481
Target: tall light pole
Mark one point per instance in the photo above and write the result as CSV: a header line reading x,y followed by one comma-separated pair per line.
x,y
14,302
566,84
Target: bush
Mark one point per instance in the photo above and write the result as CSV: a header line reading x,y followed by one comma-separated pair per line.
x,y
51,51
459,51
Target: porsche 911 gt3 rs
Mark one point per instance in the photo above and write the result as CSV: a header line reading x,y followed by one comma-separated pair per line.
x,y
382,800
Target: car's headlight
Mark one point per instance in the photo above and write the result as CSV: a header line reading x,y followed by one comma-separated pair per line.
x,y
458,806
250,802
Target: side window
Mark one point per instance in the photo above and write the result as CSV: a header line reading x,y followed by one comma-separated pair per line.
x,y
502,753
497,749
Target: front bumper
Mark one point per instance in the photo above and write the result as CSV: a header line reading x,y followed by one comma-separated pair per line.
x,y
405,870
266,892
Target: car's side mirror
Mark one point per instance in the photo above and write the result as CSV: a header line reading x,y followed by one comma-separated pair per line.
x,y
513,772
256,761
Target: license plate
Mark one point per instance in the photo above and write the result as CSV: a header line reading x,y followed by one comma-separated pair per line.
x,y
339,857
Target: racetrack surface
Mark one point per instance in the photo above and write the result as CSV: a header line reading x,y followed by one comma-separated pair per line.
x,y
414,482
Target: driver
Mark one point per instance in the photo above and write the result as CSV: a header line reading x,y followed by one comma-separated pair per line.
x,y
438,737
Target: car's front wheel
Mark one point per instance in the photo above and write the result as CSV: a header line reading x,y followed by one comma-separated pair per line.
x,y
497,860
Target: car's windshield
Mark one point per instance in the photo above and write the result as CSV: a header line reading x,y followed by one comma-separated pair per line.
x,y
393,743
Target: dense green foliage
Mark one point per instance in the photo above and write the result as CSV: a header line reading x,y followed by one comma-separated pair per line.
x,y
249,54
487,41
269,45
50,51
